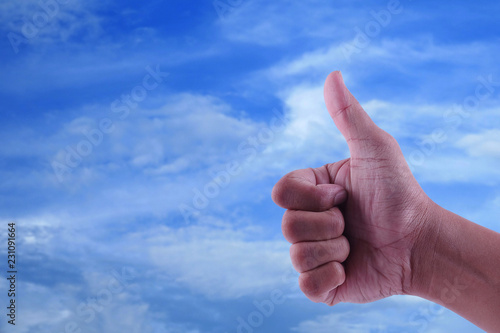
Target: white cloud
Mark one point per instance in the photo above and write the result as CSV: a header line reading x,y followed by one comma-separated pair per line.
x,y
401,313
475,162
194,128
265,23
80,125
487,213
323,59
49,309
449,167
309,138
38,307
484,144
49,21
178,165
399,57
411,123
137,177
219,264
169,150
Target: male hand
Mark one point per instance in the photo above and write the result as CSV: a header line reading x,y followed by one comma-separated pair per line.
x,y
355,225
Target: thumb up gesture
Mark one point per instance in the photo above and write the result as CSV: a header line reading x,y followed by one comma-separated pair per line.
x,y
354,224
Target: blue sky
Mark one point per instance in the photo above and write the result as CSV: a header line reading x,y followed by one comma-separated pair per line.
x,y
141,142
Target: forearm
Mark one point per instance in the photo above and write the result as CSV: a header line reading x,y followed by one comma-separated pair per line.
x,y
458,266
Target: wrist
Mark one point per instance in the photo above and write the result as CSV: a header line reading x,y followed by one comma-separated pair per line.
x,y
455,263
429,230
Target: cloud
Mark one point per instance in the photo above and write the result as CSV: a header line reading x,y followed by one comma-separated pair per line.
x,y
120,206
404,54
309,136
265,23
49,22
214,261
486,213
463,157
411,115
484,144
220,263
309,63
401,313
148,165
149,138
39,307
52,309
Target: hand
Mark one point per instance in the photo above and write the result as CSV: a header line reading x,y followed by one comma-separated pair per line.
x,y
356,224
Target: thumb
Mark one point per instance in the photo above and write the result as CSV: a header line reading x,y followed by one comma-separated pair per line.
x,y
353,122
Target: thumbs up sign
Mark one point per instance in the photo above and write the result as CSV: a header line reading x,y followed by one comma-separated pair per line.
x,y
356,224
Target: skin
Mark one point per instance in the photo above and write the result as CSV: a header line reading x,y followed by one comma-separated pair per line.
x,y
362,229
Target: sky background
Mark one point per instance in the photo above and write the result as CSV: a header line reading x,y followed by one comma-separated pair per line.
x,y
141,141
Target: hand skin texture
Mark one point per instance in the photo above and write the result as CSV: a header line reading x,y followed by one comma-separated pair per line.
x,y
363,229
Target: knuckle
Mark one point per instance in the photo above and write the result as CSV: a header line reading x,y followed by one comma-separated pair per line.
x,y
285,191
277,193
288,226
337,220
344,248
338,273
309,284
294,256
387,140
300,256
321,253
280,192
